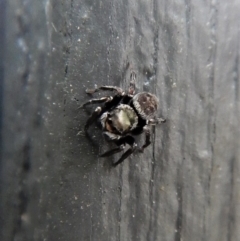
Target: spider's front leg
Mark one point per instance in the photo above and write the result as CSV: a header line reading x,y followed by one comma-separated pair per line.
x,y
94,116
109,103
96,101
106,88
121,142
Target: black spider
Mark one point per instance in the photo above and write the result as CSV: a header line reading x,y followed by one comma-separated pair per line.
x,y
124,115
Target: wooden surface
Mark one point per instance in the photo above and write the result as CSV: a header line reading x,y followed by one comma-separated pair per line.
x,y
186,186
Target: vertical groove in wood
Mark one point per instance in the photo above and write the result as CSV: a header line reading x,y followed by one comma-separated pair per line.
x,y
183,187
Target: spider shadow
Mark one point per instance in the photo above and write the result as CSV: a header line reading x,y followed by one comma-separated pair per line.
x,y
97,143
109,160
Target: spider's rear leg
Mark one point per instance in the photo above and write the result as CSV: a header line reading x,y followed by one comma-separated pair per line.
x,y
96,101
105,87
147,131
131,90
147,138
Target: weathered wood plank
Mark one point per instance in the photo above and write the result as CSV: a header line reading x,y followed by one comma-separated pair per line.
x,y
186,184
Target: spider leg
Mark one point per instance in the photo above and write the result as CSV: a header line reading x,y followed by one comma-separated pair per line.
x,y
156,121
96,101
147,138
115,100
146,129
93,118
132,86
120,141
110,102
117,139
105,87
126,154
133,146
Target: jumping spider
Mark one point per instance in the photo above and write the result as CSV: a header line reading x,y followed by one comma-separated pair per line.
x,y
124,115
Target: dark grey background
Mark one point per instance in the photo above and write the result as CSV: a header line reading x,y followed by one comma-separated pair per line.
x,y
186,186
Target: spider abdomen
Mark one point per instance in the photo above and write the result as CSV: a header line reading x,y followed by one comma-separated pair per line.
x,y
146,105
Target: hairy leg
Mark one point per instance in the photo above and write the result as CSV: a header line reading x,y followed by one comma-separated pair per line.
x,y
96,101
110,102
105,87
147,131
147,138
131,90
121,142
126,154
156,121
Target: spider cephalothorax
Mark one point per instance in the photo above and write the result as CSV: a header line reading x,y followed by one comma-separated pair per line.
x,y
120,120
124,115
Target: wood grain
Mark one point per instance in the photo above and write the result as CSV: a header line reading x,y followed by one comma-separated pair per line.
x,y
185,186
